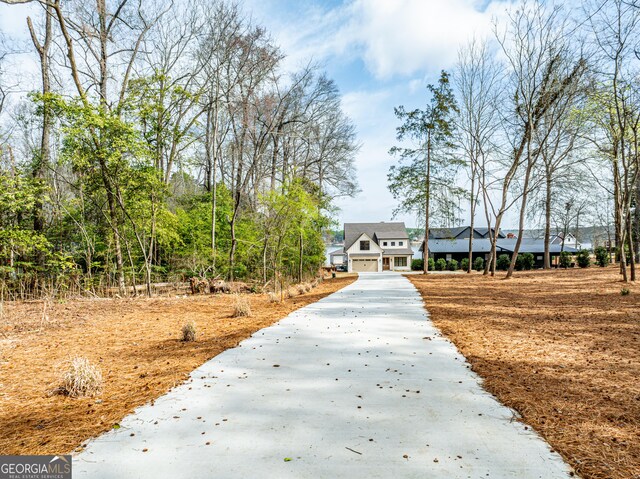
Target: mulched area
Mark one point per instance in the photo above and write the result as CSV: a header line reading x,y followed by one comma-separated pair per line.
x,y
136,343
562,348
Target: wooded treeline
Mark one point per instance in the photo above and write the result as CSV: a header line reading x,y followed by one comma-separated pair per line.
x,y
541,121
165,140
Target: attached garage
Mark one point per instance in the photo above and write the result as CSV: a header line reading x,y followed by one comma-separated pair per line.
x,y
364,265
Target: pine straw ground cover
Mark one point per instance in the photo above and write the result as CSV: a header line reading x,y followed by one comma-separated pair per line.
x,y
138,345
560,347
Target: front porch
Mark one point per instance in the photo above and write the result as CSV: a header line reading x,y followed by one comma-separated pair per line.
x,y
396,262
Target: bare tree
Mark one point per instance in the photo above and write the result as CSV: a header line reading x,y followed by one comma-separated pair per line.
x,y
477,79
543,71
616,118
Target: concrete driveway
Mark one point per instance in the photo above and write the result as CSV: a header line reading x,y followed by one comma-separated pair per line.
x,y
357,385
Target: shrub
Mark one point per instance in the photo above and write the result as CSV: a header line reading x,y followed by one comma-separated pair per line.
x,y
453,265
189,332
440,265
478,264
431,265
565,259
82,379
624,291
300,289
503,262
602,256
464,264
241,307
525,261
583,258
417,265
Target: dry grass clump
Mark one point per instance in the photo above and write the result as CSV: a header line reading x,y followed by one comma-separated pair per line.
x,y
291,292
82,379
189,331
242,308
274,298
301,289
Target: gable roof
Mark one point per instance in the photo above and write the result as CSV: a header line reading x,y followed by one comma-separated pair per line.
x,y
485,231
456,232
446,233
353,231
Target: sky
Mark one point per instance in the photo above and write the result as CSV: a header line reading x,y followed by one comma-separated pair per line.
x,y
381,53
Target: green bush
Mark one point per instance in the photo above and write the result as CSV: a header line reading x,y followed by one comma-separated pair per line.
x,y
503,262
624,291
584,258
565,259
441,264
525,261
464,264
602,256
431,265
478,264
417,265
453,265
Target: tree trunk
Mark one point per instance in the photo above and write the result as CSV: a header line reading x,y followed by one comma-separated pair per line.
x,y
473,214
427,187
632,256
547,224
301,254
43,160
523,209
234,241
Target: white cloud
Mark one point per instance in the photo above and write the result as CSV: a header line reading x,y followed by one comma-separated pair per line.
x,y
402,37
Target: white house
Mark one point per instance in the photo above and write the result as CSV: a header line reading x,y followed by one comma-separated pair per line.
x,y
374,247
569,240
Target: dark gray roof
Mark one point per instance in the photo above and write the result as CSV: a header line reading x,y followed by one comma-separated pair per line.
x,y
534,246
397,234
397,251
352,231
528,245
461,245
457,232
446,233
485,231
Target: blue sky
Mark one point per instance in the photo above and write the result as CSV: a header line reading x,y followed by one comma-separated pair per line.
x,y
381,53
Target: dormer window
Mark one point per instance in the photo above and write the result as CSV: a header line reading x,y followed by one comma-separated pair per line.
x,y
364,245
393,243
384,243
400,243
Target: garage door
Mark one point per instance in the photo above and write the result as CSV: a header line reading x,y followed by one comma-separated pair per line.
x,y
365,265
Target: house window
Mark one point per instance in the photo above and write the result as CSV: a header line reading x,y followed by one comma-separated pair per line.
x,y
393,243
400,261
364,246
448,257
400,243
384,243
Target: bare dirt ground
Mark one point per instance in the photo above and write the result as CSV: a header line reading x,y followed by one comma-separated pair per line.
x,y
560,347
136,343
